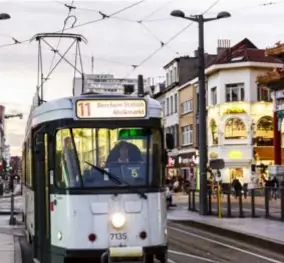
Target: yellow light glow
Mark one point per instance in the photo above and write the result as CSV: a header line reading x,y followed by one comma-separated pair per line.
x,y
236,155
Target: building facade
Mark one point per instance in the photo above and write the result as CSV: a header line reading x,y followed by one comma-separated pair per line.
x,y
105,83
240,114
188,127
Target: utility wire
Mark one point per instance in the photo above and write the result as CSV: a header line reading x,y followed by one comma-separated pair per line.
x,y
170,40
104,16
70,8
268,4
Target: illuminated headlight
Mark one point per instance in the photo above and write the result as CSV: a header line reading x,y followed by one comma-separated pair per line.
x,y
118,220
59,235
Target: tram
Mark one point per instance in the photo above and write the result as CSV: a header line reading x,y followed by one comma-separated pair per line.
x,y
93,169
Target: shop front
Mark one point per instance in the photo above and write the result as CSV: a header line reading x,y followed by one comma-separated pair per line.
x,y
172,169
238,163
188,169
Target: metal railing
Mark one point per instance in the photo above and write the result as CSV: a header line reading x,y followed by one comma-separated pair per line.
x,y
259,202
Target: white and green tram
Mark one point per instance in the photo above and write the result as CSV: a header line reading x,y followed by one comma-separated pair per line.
x,y
94,191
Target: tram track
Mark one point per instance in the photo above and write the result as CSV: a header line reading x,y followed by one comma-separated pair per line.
x,y
193,245
188,244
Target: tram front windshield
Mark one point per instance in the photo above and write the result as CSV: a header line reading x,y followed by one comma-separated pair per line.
x,y
86,158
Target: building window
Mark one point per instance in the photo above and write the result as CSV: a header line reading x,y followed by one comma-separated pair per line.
x,y
176,74
187,135
197,102
235,129
263,93
214,96
171,76
163,106
168,107
176,135
264,132
172,106
175,103
168,79
186,107
235,92
214,132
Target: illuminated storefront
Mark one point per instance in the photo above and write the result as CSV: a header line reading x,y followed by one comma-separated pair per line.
x,y
242,135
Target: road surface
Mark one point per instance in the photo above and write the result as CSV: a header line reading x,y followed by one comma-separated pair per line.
x,y
190,245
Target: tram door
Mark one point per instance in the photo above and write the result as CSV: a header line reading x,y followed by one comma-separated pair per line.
x,y
42,211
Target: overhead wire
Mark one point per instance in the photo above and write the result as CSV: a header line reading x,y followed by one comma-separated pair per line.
x,y
70,8
17,42
170,40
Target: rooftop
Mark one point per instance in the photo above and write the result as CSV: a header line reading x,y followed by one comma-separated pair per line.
x,y
244,51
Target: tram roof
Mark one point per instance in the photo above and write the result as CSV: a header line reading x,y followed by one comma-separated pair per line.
x,y
63,108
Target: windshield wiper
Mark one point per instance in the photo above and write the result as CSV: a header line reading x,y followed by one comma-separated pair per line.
x,y
116,179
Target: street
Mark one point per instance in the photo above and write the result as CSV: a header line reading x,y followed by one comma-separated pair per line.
x,y
188,244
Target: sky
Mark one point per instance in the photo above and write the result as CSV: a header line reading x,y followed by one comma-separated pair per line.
x,y
116,42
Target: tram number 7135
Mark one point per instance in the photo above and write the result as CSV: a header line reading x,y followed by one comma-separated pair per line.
x,y
118,236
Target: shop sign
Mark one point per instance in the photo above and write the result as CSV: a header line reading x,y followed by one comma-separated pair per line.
x,y
236,155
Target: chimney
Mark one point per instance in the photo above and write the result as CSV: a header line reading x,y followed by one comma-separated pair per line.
x,y
223,44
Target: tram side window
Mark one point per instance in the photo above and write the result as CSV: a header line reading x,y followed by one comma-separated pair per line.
x,y
28,173
24,165
156,154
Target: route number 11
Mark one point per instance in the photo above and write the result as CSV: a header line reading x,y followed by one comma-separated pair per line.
x,y
84,109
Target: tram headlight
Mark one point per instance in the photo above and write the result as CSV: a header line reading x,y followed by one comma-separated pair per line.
x,y
118,220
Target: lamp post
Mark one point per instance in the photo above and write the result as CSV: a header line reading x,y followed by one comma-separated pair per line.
x,y
12,220
203,206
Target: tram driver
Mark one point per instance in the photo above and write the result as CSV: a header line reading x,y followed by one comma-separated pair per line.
x,y
124,152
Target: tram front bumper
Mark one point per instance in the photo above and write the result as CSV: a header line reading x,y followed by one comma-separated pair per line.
x,y
125,252
117,254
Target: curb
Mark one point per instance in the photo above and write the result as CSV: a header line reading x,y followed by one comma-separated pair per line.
x,y
257,241
18,252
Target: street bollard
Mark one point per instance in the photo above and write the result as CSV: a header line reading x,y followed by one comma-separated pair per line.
x,y
209,203
241,212
229,212
282,203
12,220
193,200
266,201
219,202
189,199
253,203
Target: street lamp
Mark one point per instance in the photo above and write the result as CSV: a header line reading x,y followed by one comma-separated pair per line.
x,y
202,103
12,220
4,16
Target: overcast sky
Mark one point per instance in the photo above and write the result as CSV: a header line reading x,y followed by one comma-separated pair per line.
x,y
116,43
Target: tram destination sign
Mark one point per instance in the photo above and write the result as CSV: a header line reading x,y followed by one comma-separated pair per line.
x,y
105,109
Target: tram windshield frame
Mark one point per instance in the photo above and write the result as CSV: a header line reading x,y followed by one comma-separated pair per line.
x,y
76,148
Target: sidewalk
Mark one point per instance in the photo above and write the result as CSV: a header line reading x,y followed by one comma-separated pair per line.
x,y
10,250
5,205
252,230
